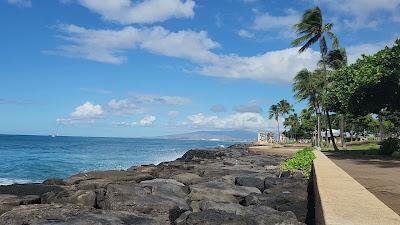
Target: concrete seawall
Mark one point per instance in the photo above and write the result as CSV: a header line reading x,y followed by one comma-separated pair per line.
x,y
341,200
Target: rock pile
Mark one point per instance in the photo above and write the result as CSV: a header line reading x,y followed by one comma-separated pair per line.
x,y
208,187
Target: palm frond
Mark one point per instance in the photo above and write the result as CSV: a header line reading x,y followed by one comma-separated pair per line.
x,y
335,40
309,43
298,41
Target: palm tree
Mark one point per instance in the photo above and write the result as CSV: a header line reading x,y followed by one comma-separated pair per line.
x,y
274,112
308,86
292,121
285,107
311,30
335,60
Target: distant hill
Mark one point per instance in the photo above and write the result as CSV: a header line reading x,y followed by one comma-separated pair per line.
x,y
233,135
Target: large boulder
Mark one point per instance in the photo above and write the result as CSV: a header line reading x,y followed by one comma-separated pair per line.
x,y
111,175
262,215
71,215
164,199
220,192
86,198
214,217
197,154
8,202
187,178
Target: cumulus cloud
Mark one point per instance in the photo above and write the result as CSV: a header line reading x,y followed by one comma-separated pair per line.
x,y
235,121
218,108
362,10
123,107
159,99
267,21
147,121
148,11
355,51
20,3
278,66
109,45
88,112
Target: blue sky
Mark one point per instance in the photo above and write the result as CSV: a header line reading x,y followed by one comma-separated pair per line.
x,y
145,68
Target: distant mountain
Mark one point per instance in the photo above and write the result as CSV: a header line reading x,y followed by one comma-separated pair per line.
x,y
233,135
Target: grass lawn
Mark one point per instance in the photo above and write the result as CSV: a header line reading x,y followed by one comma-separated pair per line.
x,y
359,148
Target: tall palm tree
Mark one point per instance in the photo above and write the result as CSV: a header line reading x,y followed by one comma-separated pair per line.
x,y
274,113
292,121
285,107
335,60
311,30
308,86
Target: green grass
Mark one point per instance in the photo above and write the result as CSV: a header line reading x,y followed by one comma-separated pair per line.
x,y
301,161
362,148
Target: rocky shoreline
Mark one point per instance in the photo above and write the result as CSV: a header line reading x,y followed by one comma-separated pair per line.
x,y
208,187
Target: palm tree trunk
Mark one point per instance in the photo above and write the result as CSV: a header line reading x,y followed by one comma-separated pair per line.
x,y
279,134
342,130
330,130
381,129
319,130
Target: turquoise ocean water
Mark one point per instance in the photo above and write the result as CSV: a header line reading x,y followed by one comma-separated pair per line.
x,y
25,159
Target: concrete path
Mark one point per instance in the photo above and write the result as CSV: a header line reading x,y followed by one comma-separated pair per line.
x,y
378,174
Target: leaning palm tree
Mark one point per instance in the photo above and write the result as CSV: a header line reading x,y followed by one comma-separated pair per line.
x,y
311,30
274,113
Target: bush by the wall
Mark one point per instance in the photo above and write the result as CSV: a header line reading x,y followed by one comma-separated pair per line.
x,y
301,160
390,145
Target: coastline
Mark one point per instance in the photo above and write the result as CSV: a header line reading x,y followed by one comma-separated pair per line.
x,y
212,186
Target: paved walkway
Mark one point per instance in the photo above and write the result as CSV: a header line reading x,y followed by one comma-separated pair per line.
x,y
379,174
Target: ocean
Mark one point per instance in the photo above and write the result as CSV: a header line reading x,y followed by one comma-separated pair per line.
x,y
26,159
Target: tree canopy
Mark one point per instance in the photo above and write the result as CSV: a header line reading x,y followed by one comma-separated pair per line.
x,y
369,85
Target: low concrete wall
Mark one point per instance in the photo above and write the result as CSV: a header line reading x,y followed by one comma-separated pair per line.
x,y
341,200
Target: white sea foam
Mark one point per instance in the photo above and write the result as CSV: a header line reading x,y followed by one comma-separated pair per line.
x,y
8,181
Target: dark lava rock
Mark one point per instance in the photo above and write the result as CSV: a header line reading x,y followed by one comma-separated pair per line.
x,y
196,154
71,215
54,181
215,217
28,189
250,181
111,175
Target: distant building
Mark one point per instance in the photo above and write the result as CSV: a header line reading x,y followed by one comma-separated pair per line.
x,y
264,137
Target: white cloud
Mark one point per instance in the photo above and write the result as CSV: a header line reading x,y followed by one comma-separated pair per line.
x,y
108,45
266,21
21,3
147,11
123,107
159,99
235,121
245,33
270,67
145,122
88,112
362,11
355,51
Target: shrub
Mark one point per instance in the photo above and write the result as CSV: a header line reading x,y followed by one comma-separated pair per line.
x,y
301,160
390,145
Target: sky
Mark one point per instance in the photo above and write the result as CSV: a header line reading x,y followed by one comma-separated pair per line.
x,y
130,68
